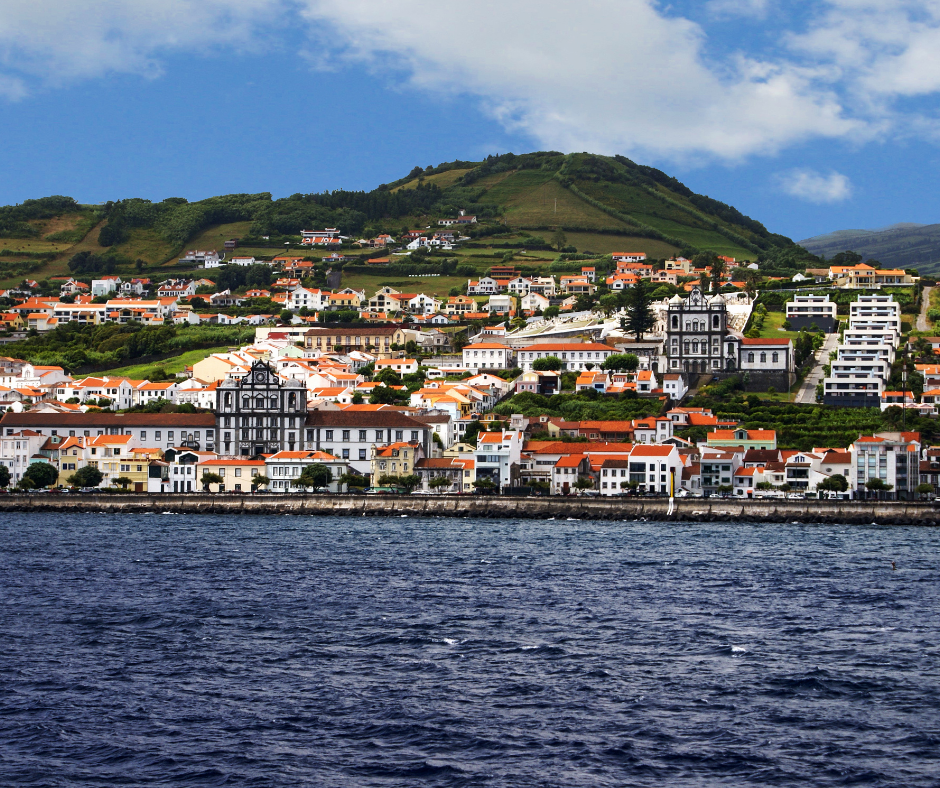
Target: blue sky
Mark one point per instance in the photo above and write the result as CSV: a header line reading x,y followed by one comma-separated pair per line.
x,y
808,117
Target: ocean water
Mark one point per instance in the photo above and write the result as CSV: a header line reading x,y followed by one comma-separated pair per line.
x,y
296,651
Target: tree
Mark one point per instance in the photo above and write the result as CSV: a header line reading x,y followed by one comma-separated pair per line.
x,y
550,312
439,482
484,484
389,377
548,364
89,476
123,482
609,303
4,476
718,271
559,239
286,316
259,480
924,489
353,480
584,483
316,475
836,483
41,474
384,395
621,362
785,489
639,317
764,486
877,486
357,398
210,478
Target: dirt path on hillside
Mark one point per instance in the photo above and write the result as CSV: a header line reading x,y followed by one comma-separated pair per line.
x,y
922,323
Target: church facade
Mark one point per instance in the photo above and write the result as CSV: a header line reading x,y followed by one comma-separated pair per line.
x,y
260,413
698,339
699,342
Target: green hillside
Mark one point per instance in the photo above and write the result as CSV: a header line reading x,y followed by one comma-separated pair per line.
x,y
899,246
602,204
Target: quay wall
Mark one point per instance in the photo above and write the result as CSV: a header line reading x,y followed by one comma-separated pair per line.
x,y
620,509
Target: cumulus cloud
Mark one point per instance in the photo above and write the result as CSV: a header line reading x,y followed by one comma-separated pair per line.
x,y
62,41
815,187
624,76
607,75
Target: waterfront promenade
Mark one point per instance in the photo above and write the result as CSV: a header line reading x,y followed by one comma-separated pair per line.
x,y
619,509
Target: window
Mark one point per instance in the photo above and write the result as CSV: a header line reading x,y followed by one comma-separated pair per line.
x,y
143,435
362,436
414,435
362,454
775,357
675,322
399,435
750,358
345,454
346,435
763,358
328,435
716,321
158,435
379,434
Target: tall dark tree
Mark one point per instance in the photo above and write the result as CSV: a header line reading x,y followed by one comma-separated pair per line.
x,y
639,318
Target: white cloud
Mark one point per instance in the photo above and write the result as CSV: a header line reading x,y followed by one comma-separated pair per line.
x,y
746,8
606,75
12,88
814,187
602,75
60,41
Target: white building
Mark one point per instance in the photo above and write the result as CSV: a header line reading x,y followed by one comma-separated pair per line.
x,y
497,457
805,310
488,355
575,355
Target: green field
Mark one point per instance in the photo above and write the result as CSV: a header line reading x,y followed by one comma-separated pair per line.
x,y
441,180
215,237
536,199
608,244
170,365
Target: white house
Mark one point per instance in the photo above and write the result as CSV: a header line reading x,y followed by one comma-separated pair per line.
x,y
674,386
574,354
488,355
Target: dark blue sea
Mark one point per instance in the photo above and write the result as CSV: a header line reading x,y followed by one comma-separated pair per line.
x,y
300,651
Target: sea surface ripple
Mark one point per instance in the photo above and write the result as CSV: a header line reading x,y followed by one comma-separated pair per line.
x,y
294,651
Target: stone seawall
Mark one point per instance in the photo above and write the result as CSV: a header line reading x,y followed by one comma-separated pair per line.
x,y
684,510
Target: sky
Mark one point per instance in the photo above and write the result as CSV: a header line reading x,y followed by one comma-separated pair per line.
x,y
810,117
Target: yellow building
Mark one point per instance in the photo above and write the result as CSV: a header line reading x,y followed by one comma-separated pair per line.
x,y
236,472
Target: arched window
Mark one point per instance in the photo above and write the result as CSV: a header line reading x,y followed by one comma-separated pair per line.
x,y
228,400
695,325
292,399
763,358
695,347
730,350
273,402
716,321
259,402
750,358
775,357
686,348
675,322
246,402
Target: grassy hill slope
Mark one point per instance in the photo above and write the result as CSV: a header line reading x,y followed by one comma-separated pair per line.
x,y
900,246
603,204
